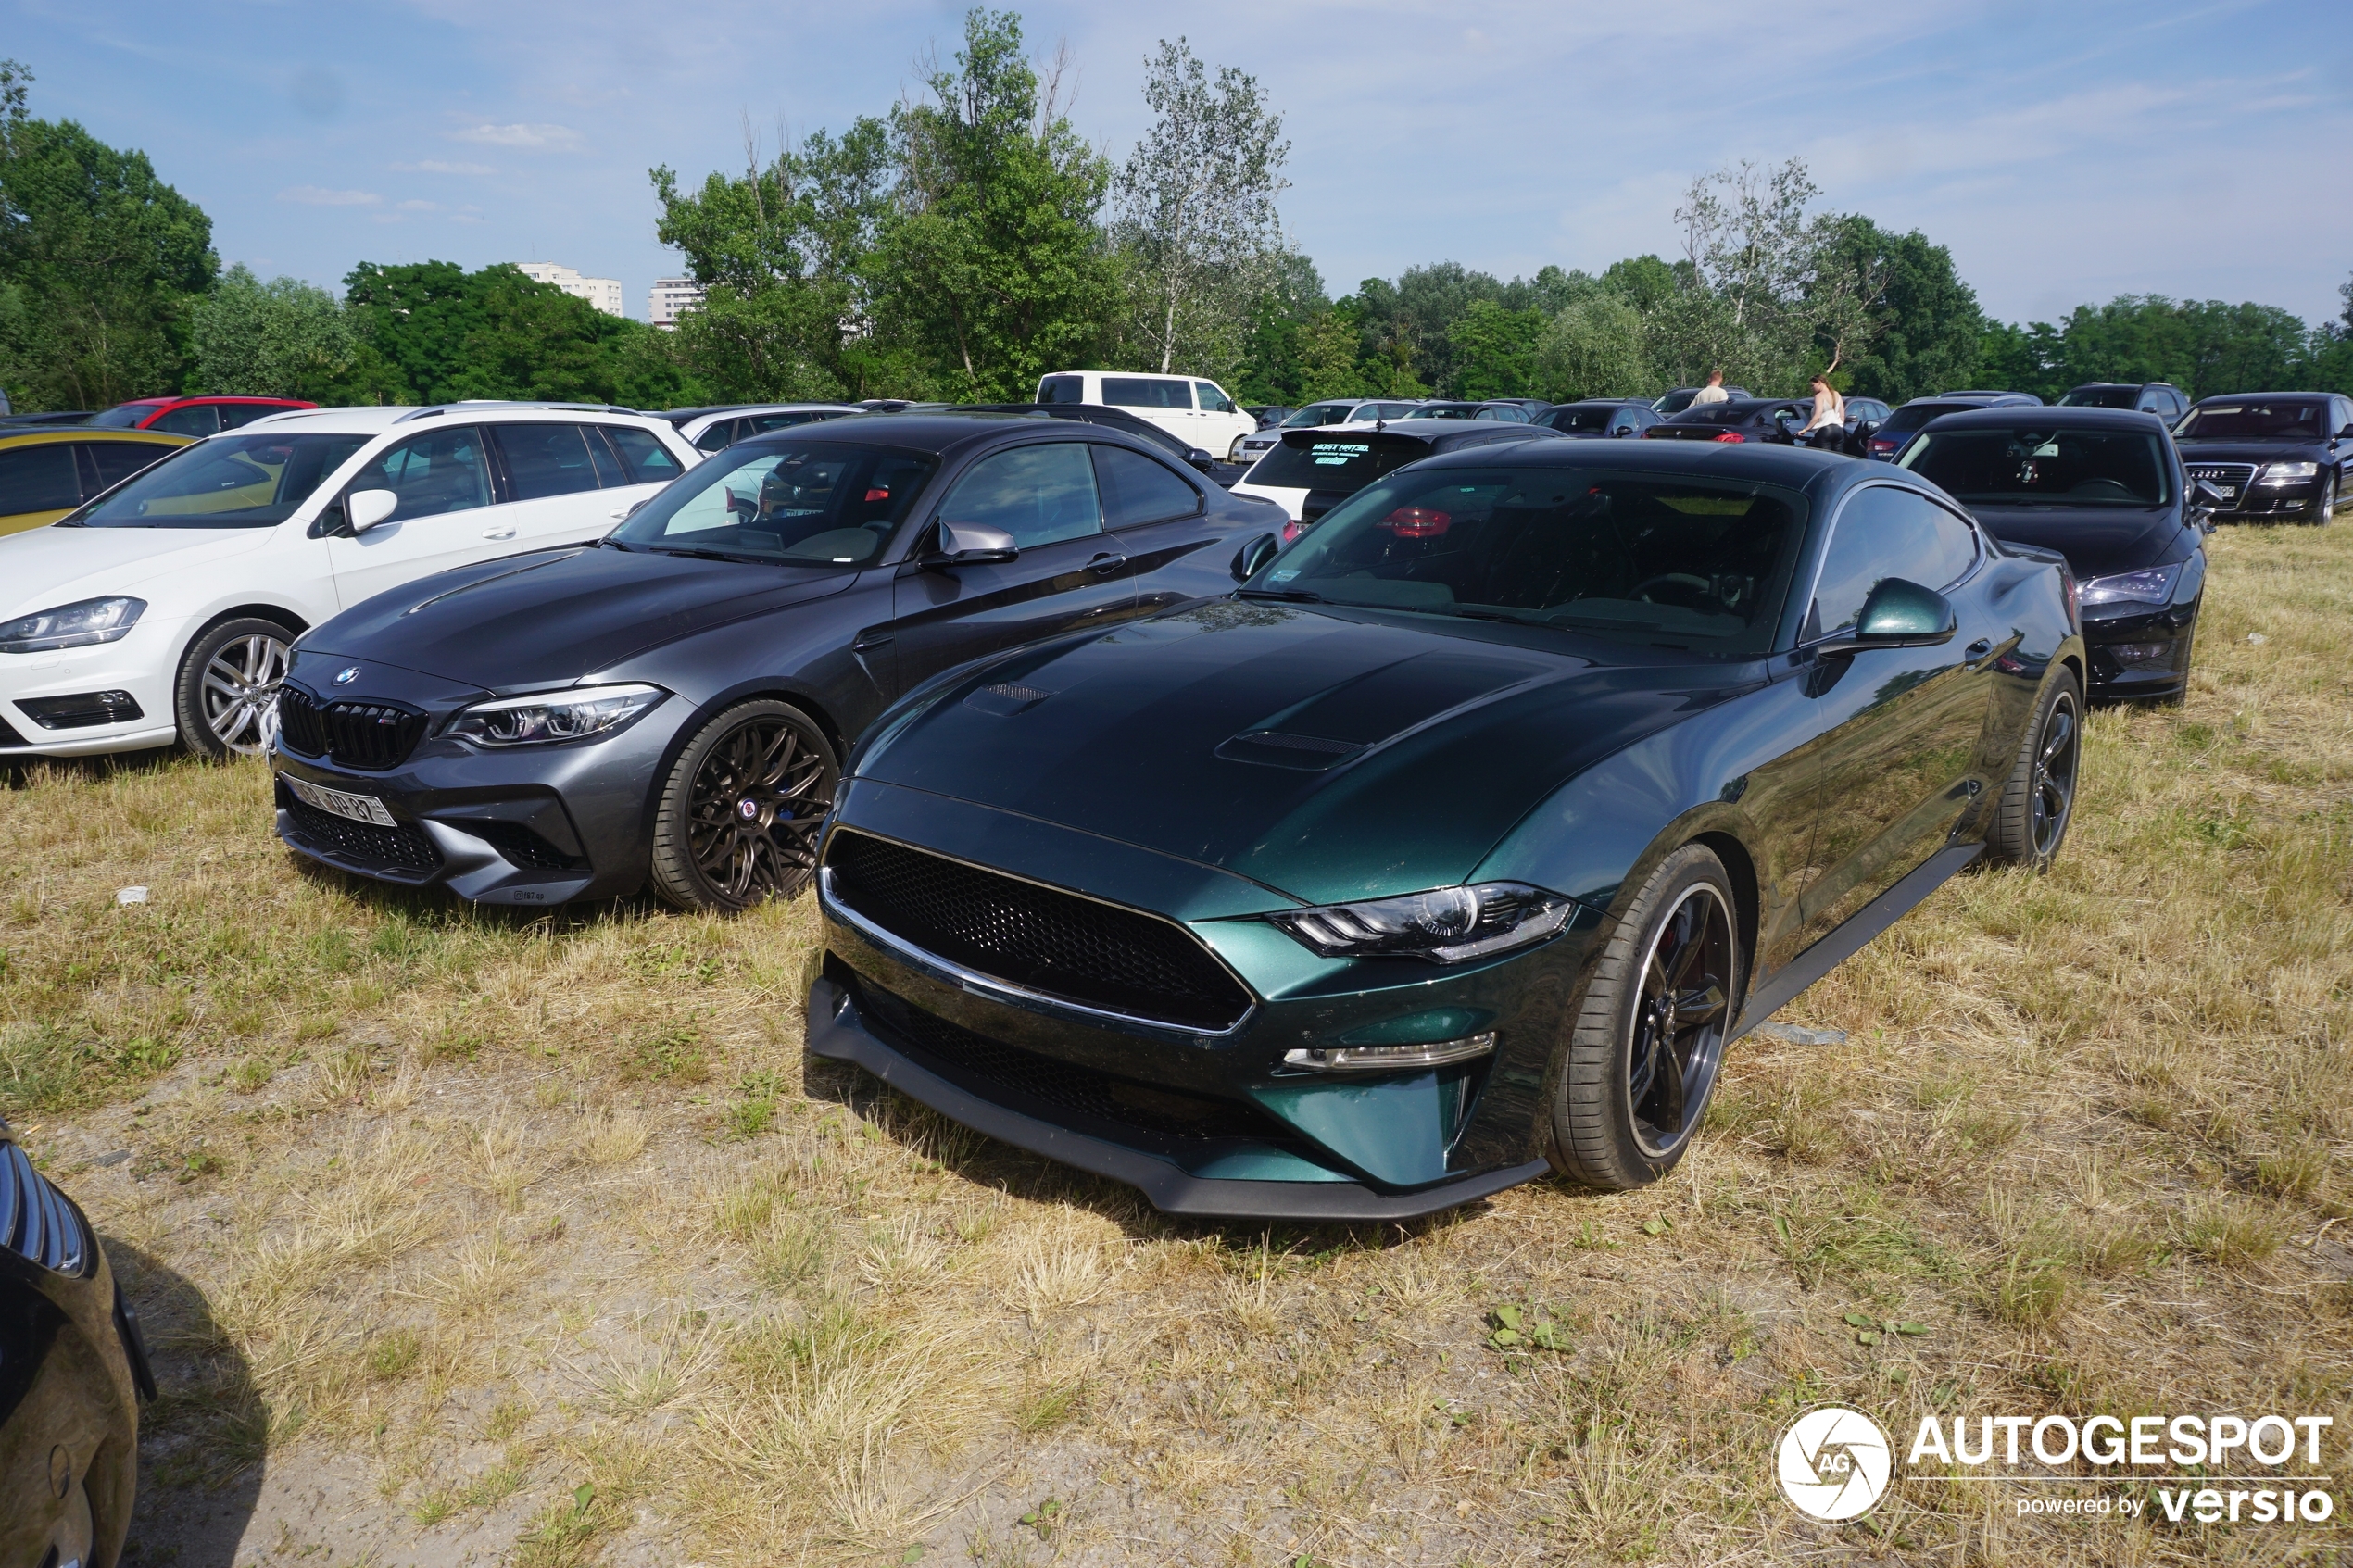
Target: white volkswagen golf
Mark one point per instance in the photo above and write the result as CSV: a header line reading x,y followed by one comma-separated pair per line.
x,y
163,609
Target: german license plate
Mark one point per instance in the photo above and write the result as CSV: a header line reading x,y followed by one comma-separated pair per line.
x,y
358,808
2229,491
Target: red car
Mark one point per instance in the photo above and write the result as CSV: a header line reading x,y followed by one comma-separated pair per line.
x,y
194,416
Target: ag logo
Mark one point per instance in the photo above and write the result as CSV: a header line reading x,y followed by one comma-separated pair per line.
x,y
344,677
1834,1463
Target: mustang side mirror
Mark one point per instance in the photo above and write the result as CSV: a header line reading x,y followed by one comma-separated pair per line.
x,y
1253,556
972,544
1897,615
368,508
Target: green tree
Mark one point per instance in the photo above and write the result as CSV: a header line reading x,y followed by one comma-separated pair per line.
x,y
1597,347
1274,369
1495,350
285,338
1924,329
434,332
1330,363
1197,224
100,260
991,268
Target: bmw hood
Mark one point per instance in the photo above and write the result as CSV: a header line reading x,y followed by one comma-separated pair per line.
x,y
541,619
2095,540
1324,756
45,567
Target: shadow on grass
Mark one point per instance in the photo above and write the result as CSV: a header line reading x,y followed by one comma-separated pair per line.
x,y
204,1442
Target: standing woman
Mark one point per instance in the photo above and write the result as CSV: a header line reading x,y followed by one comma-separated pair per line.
x,y
1829,416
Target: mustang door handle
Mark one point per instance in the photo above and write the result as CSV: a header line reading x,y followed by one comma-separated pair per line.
x,y
498,532
1107,563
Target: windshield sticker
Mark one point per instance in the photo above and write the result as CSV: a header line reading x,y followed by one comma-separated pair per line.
x,y
1285,575
1710,506
1346,449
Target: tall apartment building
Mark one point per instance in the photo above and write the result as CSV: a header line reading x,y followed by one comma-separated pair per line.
x,y
603,293
672,297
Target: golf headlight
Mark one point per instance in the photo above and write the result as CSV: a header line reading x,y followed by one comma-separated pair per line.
x,y
71,626
2287,473
2153,587
1447,925
576,714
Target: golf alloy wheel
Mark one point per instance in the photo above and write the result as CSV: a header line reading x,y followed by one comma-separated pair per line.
x,y
1679,1016
227,694
739,817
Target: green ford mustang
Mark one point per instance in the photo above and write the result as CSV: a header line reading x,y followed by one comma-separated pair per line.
x,y
1458,844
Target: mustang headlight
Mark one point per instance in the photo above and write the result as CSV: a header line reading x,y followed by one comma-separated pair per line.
x,y
2152,586
72,626
553,716
1445,925
2288,473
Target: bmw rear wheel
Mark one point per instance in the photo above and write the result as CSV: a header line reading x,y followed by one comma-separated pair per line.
x,y
226,699
739,812
1648,1039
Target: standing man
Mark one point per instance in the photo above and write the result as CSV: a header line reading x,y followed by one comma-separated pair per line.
x,y
1713,391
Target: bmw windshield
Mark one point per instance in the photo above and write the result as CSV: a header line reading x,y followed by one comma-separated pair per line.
x,y
226,482
1657,558
801,503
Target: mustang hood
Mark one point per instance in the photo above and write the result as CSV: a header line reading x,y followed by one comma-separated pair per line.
x,y
45,567
1326,757
558,616
2095,540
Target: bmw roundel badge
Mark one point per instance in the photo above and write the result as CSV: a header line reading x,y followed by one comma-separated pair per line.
x,y
344,677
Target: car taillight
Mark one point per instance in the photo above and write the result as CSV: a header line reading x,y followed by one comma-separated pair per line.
x,y
1730,435
1417,522
878,493
1293,529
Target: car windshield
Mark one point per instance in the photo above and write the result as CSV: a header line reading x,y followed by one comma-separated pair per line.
x,y
2248,419
1342,463
2102,397
124,416
1736,412
806,503
1446,411
227,482
1581,416
1319,414
1698,564
2041,465
1911,416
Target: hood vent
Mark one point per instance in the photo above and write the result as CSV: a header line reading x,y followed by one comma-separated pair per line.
x,y
1308,753
1006,698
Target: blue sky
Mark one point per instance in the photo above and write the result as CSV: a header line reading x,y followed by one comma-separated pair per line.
x,y
2065,152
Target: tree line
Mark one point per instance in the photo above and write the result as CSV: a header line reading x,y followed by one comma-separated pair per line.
x,y
968,240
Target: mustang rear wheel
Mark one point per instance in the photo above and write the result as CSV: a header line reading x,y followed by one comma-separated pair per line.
x,y
2030,822
226,699
1648,1038
739,811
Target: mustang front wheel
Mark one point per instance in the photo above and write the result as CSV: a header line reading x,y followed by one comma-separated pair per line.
x,y
1648,1038
739,812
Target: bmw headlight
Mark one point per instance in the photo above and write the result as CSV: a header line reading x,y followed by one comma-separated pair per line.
x,y
576,714
1445,925
72,626
2288,473
2152,586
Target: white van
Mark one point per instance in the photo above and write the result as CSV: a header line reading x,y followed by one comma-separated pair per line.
x,y
1197,412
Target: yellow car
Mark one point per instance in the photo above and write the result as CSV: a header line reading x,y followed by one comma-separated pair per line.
x,y
47,471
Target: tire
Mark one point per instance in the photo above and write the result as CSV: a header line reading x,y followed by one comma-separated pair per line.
x,y
226,699
1636,1075
2030,822
2325,504
738,818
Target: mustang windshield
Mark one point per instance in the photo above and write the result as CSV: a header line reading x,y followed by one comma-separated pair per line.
x,y
2253,420
225,482
1657,558
810,503
2027,465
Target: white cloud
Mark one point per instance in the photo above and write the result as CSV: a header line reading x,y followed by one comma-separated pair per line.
x,y
438,165
546,138
420,207
319,195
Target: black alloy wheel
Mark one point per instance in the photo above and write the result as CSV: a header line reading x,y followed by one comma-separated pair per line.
x,y
739,813
2030,822
1648,1041
226,699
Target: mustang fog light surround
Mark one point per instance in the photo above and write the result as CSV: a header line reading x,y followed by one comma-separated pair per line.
x,y
1389,1058
76,625
2288,473
2152,586
1445,925
548,717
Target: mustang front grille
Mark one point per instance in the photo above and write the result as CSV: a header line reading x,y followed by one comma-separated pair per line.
x,y
36,1222
1094,954
369,736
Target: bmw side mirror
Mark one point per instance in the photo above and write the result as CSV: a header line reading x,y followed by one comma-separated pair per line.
x,y
1897,615
365,510
972,544
1199,456
1253,557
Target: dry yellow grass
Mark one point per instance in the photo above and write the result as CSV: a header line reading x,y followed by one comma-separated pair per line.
x,y
531,1238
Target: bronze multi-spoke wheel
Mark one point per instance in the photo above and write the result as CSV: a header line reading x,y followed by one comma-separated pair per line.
x,y
226,700
740,809
2029,822
1648,1038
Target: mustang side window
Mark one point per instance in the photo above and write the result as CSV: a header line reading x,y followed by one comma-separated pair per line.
x,y
1038,494
1887,531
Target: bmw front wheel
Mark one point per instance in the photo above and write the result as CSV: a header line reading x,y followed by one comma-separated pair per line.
x,y
1648,1038
739,811
226,699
